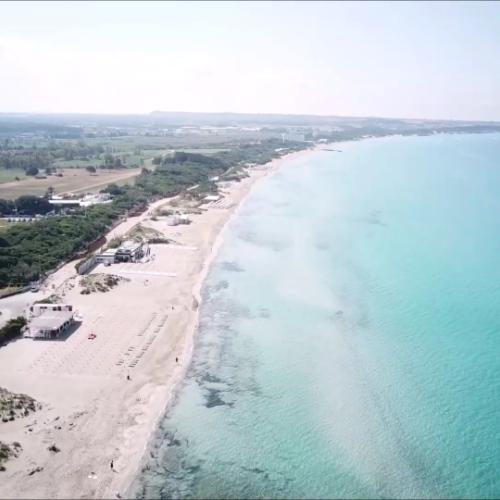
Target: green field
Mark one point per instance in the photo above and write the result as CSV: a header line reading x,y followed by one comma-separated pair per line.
x,y
77,163
128,156
204,151
75,180
10,174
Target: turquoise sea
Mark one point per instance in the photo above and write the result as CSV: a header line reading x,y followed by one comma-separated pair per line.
x,y
350,333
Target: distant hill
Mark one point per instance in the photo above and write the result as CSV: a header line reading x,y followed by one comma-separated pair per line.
x,y
30,121
228,119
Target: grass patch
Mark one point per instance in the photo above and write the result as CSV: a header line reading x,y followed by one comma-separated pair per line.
x,y
4,225
75,180
14,405
205,151
10,174
100,282
77,163
143,233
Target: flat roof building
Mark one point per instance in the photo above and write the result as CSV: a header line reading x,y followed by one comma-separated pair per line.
x,y
41,307
129,251
49,324
107,257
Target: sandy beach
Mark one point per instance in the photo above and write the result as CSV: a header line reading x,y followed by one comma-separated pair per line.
x,y
91,411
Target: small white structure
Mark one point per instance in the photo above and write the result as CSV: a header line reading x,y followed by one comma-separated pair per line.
x,y
95,199
107,257
65,202
39,308
175,220
87,201
212,197
19,219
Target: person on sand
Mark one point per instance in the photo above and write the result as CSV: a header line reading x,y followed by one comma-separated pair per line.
x,y
128,377
176,360
112,465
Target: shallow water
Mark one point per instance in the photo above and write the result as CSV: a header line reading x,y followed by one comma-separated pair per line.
x,y
349,333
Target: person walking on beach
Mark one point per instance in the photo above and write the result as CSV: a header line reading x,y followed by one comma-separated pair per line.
x,y
176,360
112,465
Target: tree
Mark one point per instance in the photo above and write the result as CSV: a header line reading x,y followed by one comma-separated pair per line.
x,y
108,160
7,207
32,205
32,171
114,190
49,193
180,157
12,329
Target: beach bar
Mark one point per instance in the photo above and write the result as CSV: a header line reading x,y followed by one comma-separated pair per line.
x,y
129,251
50,324
107,257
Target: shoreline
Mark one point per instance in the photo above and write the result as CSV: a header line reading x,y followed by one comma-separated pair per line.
x,y
270,169
91,433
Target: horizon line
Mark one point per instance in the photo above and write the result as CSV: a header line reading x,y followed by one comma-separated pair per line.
x,y
305,115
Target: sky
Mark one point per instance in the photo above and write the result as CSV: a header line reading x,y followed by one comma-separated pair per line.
x,y
438,60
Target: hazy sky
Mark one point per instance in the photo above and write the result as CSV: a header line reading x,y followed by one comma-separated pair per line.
x,y
419,60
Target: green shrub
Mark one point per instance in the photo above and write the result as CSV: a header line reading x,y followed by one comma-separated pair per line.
x,y
12,329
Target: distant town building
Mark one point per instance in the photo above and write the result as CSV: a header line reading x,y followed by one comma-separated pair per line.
x,y
294,137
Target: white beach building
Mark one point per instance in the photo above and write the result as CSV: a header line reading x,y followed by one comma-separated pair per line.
x,y
50,324
39,308
129,251
107,257
86,201
211,197
177,219
49,321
